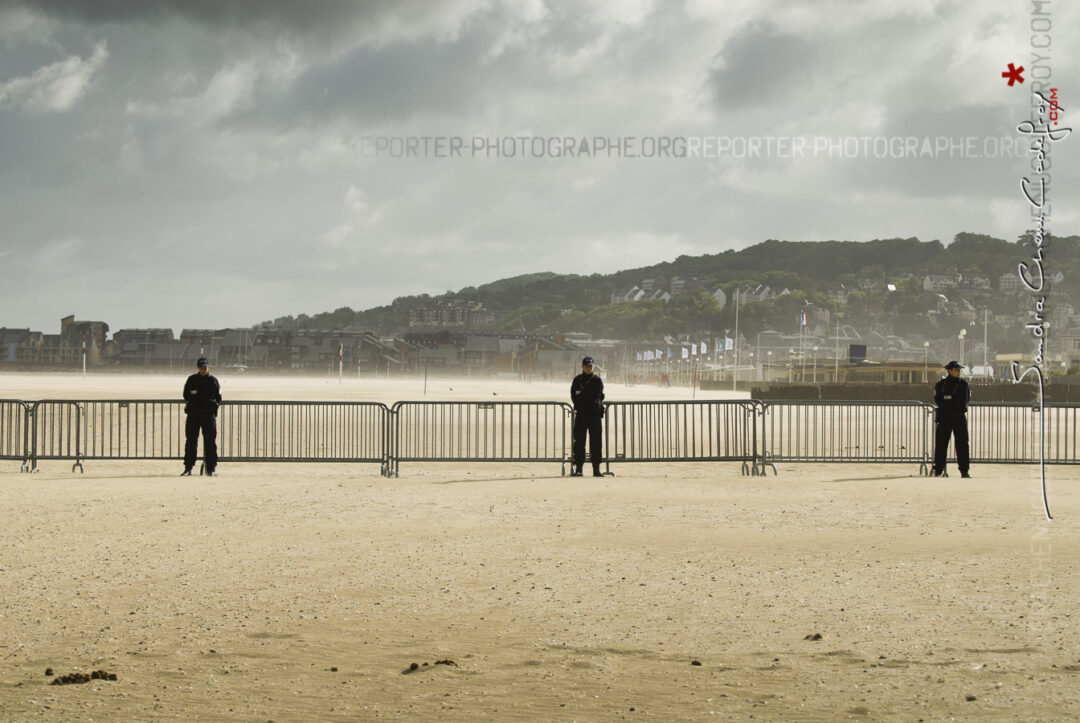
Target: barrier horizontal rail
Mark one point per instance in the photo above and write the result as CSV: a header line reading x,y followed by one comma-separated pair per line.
x,y
15,431
480,432
682,431
849,431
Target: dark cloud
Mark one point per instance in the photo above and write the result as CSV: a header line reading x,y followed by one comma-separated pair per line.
x,y
384,84
214,13
758,65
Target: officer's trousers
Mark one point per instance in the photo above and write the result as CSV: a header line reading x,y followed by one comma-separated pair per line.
x,y
593,424
954,426
206,422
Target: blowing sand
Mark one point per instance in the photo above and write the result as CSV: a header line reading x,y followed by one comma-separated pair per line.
x,y
689,592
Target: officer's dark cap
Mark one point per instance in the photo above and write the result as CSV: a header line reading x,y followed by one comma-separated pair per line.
x,y
954,365
203,362
587,362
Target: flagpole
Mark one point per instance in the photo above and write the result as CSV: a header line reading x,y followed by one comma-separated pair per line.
x,y
693,385
735,369
836,355
802,347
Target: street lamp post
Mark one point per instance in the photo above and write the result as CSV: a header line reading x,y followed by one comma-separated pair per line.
x,y
963,333
925,359
815,365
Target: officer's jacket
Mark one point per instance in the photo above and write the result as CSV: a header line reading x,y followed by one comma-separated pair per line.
x,y
202,394
587,393
951,395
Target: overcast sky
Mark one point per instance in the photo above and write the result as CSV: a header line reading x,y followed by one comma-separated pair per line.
x,y
213,163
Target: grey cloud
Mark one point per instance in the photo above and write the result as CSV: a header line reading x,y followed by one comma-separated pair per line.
x,y
324,25
299,15
758,65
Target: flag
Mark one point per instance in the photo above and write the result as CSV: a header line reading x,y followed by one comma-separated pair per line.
x,y
802,319
670,353
729,343
685,354
704,349
639,356
659,353
693,350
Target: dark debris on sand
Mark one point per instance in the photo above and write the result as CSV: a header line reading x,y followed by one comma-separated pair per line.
x,y
75,678
413,667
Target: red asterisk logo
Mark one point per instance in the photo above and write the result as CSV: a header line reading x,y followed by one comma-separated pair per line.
x,y
1014,74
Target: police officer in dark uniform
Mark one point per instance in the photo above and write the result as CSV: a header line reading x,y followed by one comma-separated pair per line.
x,y
587,394
951,395
203,396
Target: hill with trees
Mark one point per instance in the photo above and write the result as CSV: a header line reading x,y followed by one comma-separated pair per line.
x,y
873,285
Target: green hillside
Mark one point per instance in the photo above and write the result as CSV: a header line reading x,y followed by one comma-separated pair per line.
x,y
809,270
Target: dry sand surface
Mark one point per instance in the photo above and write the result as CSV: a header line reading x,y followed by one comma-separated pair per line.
x,y
678,592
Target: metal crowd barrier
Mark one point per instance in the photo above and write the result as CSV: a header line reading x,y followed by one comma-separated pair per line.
x,y
303,432
480,432
136,429
694,431
758,434
1005,433
108,429
55,432
850,431
15,431
247,431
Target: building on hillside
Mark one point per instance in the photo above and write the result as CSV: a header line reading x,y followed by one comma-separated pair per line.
x,y
1009,282
681,285
839,295
638,293
940,282
975,282
456,313
634,293
721,297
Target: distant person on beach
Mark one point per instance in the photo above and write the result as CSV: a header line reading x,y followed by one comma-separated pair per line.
x,y
203,396
951,395
587,395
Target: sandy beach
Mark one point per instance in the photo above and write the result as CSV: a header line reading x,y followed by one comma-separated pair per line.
x,y
668,592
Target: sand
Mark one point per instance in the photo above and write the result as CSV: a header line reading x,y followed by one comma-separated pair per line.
x,y
668,592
